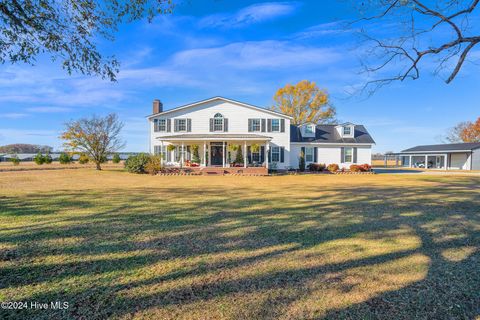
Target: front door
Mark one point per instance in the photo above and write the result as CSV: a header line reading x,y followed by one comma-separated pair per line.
x,y
217,154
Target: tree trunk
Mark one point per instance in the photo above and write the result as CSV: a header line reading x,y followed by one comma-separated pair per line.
x,y
98,165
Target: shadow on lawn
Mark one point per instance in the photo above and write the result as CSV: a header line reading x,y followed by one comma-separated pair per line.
x,y
144,227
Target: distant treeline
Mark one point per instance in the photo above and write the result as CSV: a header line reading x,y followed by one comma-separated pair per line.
x,y
25,148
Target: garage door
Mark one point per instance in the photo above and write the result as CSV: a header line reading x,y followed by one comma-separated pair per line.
x,y
458,161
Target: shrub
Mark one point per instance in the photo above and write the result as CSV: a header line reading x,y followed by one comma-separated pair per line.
x,y
333,167
355,168
83,159
48,158
137,163
366,167
154,165
239,157
39,159
316,167
301,162
15,161
64,158
195,155
116,158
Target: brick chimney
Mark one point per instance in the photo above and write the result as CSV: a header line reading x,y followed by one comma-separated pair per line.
x,y
157,106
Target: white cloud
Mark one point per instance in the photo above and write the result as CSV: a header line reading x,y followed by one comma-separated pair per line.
x,y
324,29
48,109
249,15
13,115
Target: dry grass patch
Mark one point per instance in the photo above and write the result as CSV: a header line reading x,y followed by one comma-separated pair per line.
x,y
122,246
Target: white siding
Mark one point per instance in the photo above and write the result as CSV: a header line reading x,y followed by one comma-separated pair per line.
x,y
237,116
331,154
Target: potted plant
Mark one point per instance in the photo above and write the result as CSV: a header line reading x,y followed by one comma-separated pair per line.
x,y
232,148
195,155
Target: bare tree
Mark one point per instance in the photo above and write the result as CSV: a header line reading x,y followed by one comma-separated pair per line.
x,y
421,30
96,136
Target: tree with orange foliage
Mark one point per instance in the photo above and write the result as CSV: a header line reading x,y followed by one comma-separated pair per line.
x,y
465,132
96,136
305,103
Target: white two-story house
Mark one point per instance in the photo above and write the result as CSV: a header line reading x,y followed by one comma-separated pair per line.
x,y
218,129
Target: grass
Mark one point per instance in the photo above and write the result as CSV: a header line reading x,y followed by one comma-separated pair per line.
x,y
122,246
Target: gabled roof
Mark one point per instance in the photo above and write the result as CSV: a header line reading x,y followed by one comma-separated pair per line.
x,y
326,133
448,147
190,105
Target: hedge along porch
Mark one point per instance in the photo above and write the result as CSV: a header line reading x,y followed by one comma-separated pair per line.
x,y
221,150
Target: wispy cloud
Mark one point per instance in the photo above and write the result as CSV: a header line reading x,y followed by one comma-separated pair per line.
x,y
13,115
324,29
250,15
49,109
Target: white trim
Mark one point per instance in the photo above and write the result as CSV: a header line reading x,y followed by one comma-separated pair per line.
x,y
213,139
432,152
334,143
219,98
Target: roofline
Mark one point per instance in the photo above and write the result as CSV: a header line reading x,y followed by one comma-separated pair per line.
x,y
435,151
214,138
218,98
330,143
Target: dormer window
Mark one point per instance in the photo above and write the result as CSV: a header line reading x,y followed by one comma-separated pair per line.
x,y
347,131
309,128
218,122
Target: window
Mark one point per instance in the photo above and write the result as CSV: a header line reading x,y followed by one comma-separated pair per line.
x,y
275,154
309,128
256,156
348,157
181,124
309,154
218,122
256,126
162,125
275,125
347,131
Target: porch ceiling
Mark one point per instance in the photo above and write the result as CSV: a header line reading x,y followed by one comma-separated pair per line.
x,y
215,137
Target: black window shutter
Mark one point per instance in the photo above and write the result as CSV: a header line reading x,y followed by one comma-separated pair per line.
x,y
189,125
269,154
282,125
282,154
225,125
211,125
262,154
315,156
169,125
249,154
263,125
354,155
155,125
250,129
269,125
175,125
303,151
342,154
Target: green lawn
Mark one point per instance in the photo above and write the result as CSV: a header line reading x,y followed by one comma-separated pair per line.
x,y
116,245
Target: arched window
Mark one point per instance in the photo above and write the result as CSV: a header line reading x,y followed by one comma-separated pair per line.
x,y
218,122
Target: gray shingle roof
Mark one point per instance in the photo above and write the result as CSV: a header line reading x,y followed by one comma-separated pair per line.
x,y
445,147
326,133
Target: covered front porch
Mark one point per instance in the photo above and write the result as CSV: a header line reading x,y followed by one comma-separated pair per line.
x,y
425,161
215,151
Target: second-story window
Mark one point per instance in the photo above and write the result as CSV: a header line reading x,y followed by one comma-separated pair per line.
x,y
275,125
256,125
181,124
347,131
162,125
309,128
218,122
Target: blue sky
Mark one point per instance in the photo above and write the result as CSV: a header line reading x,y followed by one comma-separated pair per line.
x,y
243,50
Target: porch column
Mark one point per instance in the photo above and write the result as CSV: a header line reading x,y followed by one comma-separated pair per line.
x,y
161,153
223,154
426,161
245,154
183,153
410,161
204,153
445,163
267,145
